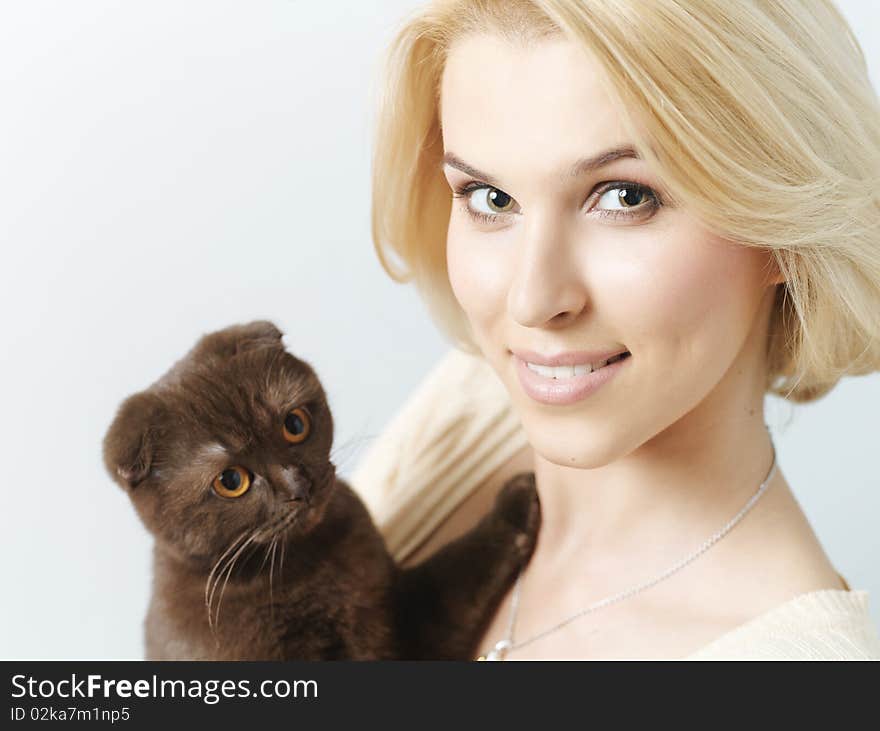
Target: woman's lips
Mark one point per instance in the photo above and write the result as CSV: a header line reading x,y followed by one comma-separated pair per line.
x,y
563,391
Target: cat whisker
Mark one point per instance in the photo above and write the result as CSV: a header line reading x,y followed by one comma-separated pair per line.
x,y
354,439
284,545
216,580
273,527
210,601
283,551
224,573
348,444
211,575
265,558
231,546
229,573
271,568
343,464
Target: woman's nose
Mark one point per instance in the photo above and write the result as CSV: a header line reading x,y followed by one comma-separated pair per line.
x,y
546,287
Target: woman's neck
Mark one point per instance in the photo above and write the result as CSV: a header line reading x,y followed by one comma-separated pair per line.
x,y
665,497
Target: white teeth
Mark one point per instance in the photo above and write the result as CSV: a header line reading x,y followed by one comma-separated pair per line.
x,y
564,371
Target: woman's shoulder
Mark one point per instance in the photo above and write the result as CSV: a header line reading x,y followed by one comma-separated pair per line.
x,y
827,624
453,432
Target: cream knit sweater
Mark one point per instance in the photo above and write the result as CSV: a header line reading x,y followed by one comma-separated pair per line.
x,y
458,427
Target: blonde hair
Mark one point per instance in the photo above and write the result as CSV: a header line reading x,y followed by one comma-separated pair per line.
x,y
759,114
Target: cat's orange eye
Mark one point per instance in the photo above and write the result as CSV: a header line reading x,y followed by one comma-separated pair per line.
x,y
296,426
232,482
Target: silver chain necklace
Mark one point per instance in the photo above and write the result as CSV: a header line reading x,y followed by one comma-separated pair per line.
x,y
502,647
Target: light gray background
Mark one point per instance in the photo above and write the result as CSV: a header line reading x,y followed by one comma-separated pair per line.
x,y
168,168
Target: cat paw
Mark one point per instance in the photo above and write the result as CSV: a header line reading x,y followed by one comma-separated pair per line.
x,y
517,504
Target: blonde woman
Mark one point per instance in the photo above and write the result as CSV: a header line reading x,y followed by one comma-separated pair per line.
x,y
692,184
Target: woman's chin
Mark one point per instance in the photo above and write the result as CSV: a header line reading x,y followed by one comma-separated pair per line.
x,y
579,449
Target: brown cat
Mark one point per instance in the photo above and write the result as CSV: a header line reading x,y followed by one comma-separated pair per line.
x,y
261,552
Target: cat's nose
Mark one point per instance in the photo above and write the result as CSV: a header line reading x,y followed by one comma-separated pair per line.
x,y
300,492
292,484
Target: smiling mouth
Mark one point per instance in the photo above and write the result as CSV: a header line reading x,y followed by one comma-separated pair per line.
x,y
564,372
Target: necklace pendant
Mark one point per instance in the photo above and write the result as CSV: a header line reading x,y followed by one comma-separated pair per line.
x,y
500,650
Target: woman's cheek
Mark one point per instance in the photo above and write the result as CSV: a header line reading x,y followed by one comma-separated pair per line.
x,y
688,318
677,286
478,274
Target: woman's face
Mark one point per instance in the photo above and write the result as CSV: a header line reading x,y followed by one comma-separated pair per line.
x,y
551,262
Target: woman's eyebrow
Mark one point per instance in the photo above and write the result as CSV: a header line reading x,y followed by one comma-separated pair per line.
x,y
579,167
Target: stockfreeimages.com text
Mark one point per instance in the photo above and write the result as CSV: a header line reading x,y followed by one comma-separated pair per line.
x,y
210,691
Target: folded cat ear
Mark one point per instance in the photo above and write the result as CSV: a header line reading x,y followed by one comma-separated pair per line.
x,y
131,441
237,338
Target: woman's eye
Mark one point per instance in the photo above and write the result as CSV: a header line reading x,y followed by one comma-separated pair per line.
x,y
487,203
232,482
622,197
296,426
492,200
616,200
